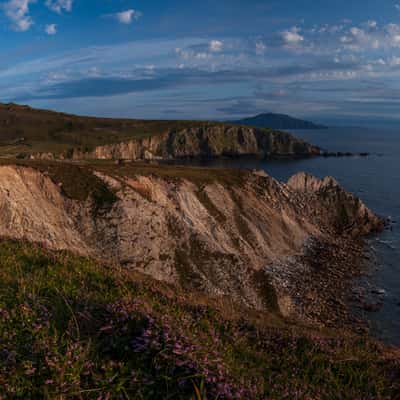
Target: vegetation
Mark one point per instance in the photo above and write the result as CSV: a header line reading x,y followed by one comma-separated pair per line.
x,y
24,131
200,176
77,182
71,328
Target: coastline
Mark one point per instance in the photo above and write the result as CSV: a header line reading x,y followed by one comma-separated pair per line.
x,y
322,279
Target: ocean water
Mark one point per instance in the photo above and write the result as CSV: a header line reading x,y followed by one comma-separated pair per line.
x,y
376,180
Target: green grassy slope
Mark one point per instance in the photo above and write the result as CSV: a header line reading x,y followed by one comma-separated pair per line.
x,y
71,328
27,130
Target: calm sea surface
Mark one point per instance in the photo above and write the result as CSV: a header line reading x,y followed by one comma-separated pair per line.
x,y
376,180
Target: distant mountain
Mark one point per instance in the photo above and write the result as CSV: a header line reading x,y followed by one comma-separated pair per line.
x,y
278,121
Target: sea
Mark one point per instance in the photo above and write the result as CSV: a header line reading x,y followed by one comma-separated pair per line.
x,y
376,180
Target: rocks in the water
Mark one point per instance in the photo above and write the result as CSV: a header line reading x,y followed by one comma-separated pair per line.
x,y
379,292
343,154
372,307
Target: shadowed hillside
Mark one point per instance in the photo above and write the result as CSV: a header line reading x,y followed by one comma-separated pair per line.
x,y
25,128
278,121
26,132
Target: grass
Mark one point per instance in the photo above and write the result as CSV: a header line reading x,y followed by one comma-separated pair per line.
x,y
71,328
29,127
200,176
25,131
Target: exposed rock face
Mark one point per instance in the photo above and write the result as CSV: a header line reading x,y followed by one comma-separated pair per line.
x,y
215,238
343,211
204,141
33,208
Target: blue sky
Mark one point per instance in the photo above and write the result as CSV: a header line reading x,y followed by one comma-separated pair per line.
x,y
336,62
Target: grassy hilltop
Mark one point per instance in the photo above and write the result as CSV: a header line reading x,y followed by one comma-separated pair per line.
x,y
25,131
23,128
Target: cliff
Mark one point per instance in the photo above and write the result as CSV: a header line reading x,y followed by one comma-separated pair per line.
x,y
341,210
41,134
224,233
202,141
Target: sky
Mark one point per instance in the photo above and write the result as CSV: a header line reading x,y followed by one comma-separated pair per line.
x,y
335,62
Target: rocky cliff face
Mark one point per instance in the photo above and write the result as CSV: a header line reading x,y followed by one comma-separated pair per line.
x,y
221,239
337,208
204,141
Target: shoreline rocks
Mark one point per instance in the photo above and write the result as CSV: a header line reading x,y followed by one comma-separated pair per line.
x,y
339,154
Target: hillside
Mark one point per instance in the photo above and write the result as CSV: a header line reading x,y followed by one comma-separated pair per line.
x,y
217,231
278,121
26,132
152,282
72,328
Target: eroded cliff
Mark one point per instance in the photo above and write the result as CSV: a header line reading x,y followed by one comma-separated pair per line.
x,y
204,140
221,232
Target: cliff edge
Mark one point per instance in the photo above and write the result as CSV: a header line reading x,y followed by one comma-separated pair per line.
x,y
26,132
225,233
201,141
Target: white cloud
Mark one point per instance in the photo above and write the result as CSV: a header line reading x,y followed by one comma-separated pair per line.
x,y
260,48
51,29
371,36
292,36
359,39
332,29
393,35
380,61
18,12
126,17
216,45
59,6
394,62
188,54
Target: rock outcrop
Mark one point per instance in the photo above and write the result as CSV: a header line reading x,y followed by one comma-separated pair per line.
x,y
214,237
336,208
207,141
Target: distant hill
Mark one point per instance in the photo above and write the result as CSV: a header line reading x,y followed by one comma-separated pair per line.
x,y
27,132
278,121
